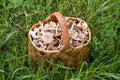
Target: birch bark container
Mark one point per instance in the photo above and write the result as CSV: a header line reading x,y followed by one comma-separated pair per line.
x,y
65,40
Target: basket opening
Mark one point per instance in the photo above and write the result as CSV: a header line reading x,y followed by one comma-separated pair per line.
x,y
47,35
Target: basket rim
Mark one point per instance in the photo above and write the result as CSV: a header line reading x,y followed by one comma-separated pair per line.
x,y
57,51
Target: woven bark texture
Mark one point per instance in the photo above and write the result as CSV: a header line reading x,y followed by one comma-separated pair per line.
x,y
67,42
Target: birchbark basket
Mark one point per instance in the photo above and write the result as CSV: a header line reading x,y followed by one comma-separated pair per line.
x,y
67,54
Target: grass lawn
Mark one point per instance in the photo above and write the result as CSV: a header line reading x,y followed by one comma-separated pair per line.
x,y
103,18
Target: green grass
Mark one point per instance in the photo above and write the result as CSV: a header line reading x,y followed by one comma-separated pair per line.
x,y
103,18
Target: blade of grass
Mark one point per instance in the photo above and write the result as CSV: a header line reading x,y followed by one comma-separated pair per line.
x,y
24,77
7,38
2,71
113,75
13,74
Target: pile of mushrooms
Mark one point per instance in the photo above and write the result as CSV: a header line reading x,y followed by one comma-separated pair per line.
x,y
48,35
